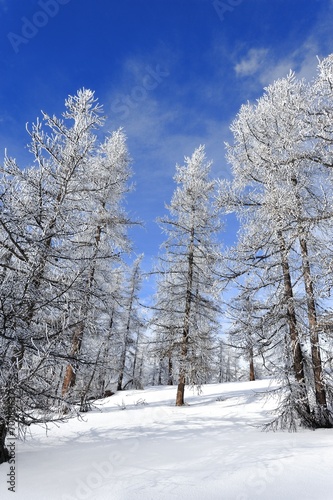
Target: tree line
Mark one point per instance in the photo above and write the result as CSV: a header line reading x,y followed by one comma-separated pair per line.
x,y
72,326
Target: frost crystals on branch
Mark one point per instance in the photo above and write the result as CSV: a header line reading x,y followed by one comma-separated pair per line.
x,y
186,310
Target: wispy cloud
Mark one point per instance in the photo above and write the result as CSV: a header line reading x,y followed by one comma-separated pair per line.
x,y
266,64
302,61
251,63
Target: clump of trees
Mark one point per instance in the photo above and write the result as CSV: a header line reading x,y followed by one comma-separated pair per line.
x,y
63,232
71,324
282,190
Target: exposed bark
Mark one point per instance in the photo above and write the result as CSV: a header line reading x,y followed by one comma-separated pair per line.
x,y
252,372
128,324
4,454
102,373
122,366
135,355
186,327
296,351
84,404
160,369
71,369
320,391
170,369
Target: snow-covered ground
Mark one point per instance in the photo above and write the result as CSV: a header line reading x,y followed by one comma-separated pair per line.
x,y
138,446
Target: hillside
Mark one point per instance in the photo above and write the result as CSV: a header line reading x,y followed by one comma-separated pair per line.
x,y
138,445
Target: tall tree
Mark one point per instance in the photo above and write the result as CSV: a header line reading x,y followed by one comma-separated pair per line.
x,y
186,302
285,193
131,320
60,223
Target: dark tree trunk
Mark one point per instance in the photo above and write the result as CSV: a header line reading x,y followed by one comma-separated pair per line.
x,y
170,370
127,332
252,373
122,369
135,359
4,454
296,351
322,414
180,390
71,369
103,371
186,328
160,369
320,391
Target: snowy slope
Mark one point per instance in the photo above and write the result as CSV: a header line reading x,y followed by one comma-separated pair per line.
x,y
151,450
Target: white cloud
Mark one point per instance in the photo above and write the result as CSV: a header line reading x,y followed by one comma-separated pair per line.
x,y
265,70
302,61
268,65
251,63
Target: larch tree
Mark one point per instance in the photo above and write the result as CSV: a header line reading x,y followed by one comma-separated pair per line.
x,y
61,225
245,313
130,331
104,237
285,198
186,305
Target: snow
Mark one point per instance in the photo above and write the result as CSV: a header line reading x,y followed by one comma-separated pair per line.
x,y
138,445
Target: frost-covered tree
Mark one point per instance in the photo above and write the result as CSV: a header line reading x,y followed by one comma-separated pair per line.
x,y
283,212
104,238
245,312
186,306
62,225
130,331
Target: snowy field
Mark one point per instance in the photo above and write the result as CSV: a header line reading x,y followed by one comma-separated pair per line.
x,y
138,446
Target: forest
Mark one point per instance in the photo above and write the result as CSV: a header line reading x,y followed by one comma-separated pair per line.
x,y
73,328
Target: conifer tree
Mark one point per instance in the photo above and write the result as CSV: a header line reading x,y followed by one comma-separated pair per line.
x,y
186,307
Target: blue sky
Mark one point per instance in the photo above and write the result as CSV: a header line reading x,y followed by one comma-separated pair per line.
x,y
173,73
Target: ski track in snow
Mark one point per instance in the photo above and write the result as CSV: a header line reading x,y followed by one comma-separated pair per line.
x,y
212,449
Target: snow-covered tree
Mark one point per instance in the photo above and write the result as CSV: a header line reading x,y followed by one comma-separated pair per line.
x,y
285,192
245,312
62,226
186,306
130,332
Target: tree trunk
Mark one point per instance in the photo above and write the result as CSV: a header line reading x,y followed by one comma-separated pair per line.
x,y
296,351
123,361
102,372
252,373
220,361
160,368
71,369
84,404
129,319
170,370
180,390
135,358
320,391
186,328
4,454
323,418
